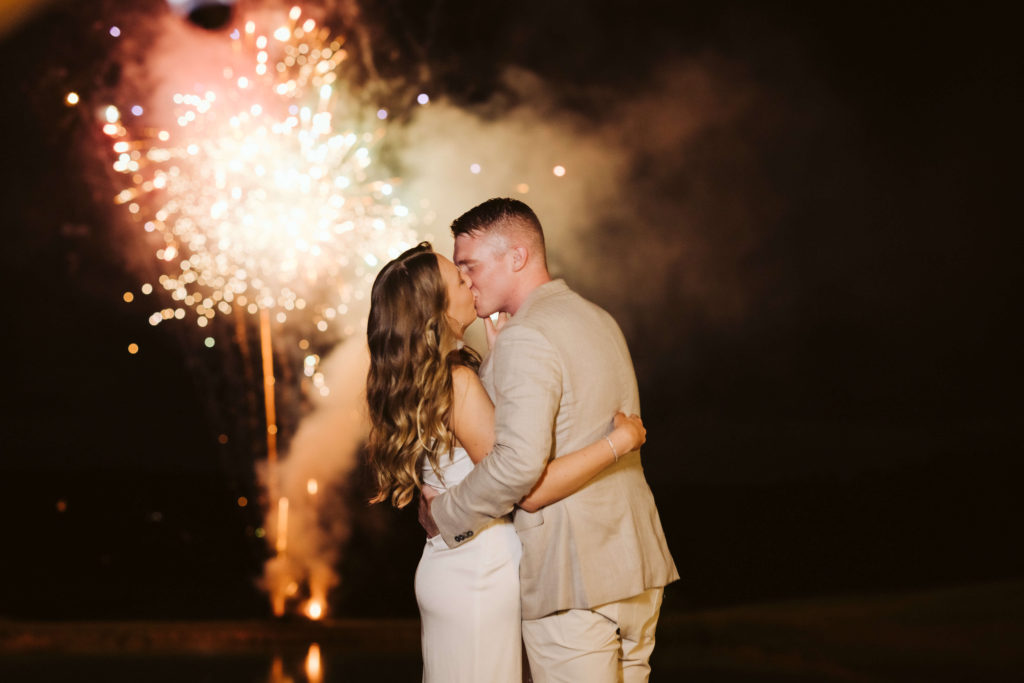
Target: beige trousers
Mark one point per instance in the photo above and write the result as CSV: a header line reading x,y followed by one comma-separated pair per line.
x,y
611,643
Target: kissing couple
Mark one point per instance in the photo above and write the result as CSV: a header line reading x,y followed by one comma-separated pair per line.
x,y
543,532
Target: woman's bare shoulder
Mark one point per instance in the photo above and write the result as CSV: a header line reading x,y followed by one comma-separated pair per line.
x,y
466,385
463,375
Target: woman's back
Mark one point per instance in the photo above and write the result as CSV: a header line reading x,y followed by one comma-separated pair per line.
x,y
453,469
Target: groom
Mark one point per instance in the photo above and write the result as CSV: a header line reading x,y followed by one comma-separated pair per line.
x,y
595,563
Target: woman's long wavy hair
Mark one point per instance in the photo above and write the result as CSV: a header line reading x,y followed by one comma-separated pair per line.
x,y
413,350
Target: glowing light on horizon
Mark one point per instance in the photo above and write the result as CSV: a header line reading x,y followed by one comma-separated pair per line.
x,y
267,194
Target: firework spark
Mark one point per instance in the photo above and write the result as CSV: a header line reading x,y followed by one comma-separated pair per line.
x,y
266,195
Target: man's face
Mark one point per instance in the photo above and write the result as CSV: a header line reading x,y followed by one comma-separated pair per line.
x,y
486,259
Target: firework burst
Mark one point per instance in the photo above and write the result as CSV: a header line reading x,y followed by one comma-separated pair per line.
x,y
266,194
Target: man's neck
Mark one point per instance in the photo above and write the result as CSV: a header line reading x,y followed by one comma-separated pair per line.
x,y
526,287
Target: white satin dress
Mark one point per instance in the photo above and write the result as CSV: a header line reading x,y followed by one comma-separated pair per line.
x,y
469,597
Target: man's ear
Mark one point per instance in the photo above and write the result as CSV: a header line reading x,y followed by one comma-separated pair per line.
x,y
520,255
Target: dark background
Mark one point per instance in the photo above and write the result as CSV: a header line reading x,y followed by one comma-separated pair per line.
x,y
853,429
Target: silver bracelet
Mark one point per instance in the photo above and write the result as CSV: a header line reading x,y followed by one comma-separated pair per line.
x,y
614,452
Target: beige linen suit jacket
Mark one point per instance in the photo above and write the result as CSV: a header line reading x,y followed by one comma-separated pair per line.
x,y
559,371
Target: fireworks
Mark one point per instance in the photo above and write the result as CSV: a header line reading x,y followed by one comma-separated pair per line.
x,y
266,194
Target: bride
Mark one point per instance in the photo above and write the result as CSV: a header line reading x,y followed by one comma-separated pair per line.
x,y
431,421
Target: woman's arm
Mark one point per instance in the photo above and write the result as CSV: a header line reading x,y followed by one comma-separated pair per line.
x,y
473,424
566,475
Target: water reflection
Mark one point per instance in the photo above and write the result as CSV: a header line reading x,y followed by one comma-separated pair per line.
x,y
315,665
838,640
312,668
277,671
326,665
313,673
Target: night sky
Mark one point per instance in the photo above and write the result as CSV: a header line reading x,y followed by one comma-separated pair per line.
x,y
816,281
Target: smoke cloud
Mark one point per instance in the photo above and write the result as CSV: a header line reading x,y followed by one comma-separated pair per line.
x,y
640,195
313,474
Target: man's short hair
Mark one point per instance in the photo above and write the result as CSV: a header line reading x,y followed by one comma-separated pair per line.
x,y
499,213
